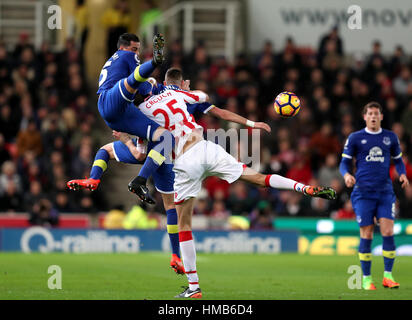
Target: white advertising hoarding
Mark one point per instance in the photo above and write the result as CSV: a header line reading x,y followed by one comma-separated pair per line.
x,y
306,21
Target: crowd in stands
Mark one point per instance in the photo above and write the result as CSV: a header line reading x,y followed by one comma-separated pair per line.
x,y
47,123
46,129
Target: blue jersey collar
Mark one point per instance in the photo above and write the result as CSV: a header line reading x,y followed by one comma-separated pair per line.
x,y
373,132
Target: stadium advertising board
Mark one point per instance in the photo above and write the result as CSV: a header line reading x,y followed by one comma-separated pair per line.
x,y
315,244
341,237
306,21
38,239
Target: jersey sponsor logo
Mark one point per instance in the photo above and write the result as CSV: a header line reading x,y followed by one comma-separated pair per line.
x,y
375,155
364,141
386,140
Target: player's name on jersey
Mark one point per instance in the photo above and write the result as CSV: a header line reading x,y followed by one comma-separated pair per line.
x,y
157,99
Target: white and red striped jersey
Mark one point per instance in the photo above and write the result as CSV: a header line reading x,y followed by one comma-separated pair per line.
x,y
169,109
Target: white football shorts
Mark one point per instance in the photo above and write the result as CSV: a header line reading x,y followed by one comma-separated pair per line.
x,y
202,160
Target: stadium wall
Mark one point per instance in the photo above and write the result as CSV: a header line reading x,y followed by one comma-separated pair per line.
x,y
306,20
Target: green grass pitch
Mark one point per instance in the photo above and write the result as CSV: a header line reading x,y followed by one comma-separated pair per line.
x,y
222,277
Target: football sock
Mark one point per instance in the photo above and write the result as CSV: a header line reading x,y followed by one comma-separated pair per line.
x,y
140,74
173,231
100,164
365,256
388,252
159,154
187,246
279,182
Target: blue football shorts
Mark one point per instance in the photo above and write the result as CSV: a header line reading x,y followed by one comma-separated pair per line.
x,y
119,112
370,205
163,177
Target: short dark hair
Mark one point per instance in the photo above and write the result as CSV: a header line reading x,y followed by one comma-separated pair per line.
x,y
372,104
126,38
174,76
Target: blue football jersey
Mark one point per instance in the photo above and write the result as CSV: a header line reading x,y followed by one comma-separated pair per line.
x,y
120,65
373,153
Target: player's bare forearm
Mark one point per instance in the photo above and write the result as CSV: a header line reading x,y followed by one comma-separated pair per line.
x,y
132,148
233,117
125,138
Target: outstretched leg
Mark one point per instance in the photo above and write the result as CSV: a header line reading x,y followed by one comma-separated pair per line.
x,y
99,166
279,182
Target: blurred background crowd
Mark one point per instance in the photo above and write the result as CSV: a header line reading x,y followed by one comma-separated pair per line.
x,y
50,128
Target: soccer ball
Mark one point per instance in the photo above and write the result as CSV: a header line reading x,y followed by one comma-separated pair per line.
x,y
287,104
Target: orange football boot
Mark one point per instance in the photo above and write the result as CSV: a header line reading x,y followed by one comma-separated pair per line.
x,y
390,283
177,265
87,183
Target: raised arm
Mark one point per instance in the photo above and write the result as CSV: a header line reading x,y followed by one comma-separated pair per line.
x,y
231,116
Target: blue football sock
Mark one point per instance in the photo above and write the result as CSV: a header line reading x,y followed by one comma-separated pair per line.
x,y
100,164
160,153
173,231
388,252
365,255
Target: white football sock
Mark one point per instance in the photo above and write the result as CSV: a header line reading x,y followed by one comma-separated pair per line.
x,y
279,182
188,250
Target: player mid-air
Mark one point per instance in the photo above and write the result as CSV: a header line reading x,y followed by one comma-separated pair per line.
x,y
134,151
196,159
120,79
373,196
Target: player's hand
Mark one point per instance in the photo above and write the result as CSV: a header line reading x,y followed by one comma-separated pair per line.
x,y
404,180
262,125
152,81
186,85
121,136
349,180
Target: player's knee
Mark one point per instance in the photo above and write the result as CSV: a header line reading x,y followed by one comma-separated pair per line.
x,y
366,232
168,201
387,232
109,148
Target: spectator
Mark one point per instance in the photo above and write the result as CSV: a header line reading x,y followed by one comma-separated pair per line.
x,y
29,140
407,119
262,217
34,195
401,82
329,170
4,153
117,20
324,142
11,200
9,176
346,212
82,26
114,218
331,38
43,214
8,123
